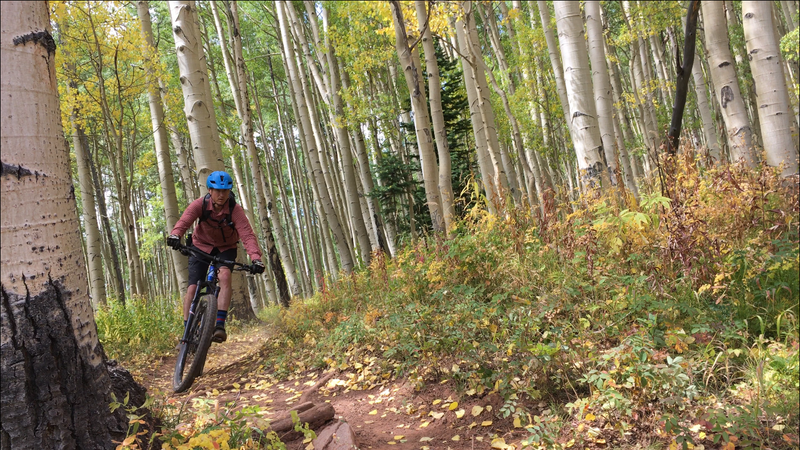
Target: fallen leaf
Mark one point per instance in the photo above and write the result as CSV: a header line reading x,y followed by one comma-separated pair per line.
x,y
500,443
424,424
398,437
437,401
486,423
455,438
517,422
425,439
477,410
590,417
454,405
460,413
472,425
373,412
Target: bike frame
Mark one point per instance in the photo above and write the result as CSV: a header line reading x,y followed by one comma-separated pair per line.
x,y
207,286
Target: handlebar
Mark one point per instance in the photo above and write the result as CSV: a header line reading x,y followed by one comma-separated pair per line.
x,y
187,250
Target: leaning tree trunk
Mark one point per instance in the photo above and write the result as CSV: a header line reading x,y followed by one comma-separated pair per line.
x,y
165,176
774,111
578,81
54,385
440,133
323,195
682,81
265,212
419,104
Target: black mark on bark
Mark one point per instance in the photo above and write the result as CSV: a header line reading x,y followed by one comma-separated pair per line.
x,y
42,38
18,171
725,96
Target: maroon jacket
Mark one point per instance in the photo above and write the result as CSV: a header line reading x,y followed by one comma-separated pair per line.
x,y
207,235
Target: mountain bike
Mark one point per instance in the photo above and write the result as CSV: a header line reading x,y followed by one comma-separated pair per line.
x,y
202,318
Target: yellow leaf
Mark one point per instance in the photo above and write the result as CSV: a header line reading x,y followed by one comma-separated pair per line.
x,y
570,443
472,425
425,439
424,424
517,422
456,438
392,443
397,438
590,417
437,401
477,410
236,385
215,392
500,443
460,413
453,406
729,446
600,441
373,412
486,423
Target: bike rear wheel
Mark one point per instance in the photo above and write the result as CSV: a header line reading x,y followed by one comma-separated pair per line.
x,y
193,351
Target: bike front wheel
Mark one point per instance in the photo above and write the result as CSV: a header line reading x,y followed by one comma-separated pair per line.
x,y
193,350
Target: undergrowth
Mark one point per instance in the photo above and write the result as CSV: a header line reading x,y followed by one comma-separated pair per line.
x,y
673,318
671,321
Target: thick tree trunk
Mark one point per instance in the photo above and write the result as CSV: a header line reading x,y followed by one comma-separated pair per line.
x,y
709,132
54,384
577,77
199,109
166,179
774,111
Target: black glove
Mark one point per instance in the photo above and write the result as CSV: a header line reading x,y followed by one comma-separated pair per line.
x,y
174,241
258,267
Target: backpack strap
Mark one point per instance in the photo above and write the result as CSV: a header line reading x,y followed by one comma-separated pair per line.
x,y
228,218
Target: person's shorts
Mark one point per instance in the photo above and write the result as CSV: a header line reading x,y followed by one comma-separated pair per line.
x,y
198,268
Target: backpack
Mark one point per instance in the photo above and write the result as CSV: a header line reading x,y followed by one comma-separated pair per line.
x,y
225,221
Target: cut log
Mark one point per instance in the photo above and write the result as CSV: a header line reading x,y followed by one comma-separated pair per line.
x,y
336,436
315,417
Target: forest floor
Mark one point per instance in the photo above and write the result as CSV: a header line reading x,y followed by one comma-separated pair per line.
x,y
383,413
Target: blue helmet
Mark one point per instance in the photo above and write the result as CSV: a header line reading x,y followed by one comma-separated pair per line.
x,y
219,180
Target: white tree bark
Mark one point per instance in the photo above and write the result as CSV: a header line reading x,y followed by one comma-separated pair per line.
x,y
709,133
419,104
165,175
601,83
311,145
578,81
774,111
440,133
55,385
199,108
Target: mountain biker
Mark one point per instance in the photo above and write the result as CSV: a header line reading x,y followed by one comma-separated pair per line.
x,y
218,231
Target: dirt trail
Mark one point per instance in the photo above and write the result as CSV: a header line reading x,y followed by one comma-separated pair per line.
x,y
383,413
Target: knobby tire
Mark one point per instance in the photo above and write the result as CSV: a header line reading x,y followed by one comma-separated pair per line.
x,y
192,355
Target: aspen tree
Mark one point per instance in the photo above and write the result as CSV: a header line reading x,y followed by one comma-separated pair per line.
x,y
577,78
313,155
440,133
773,99
419,104
166,179
54,375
